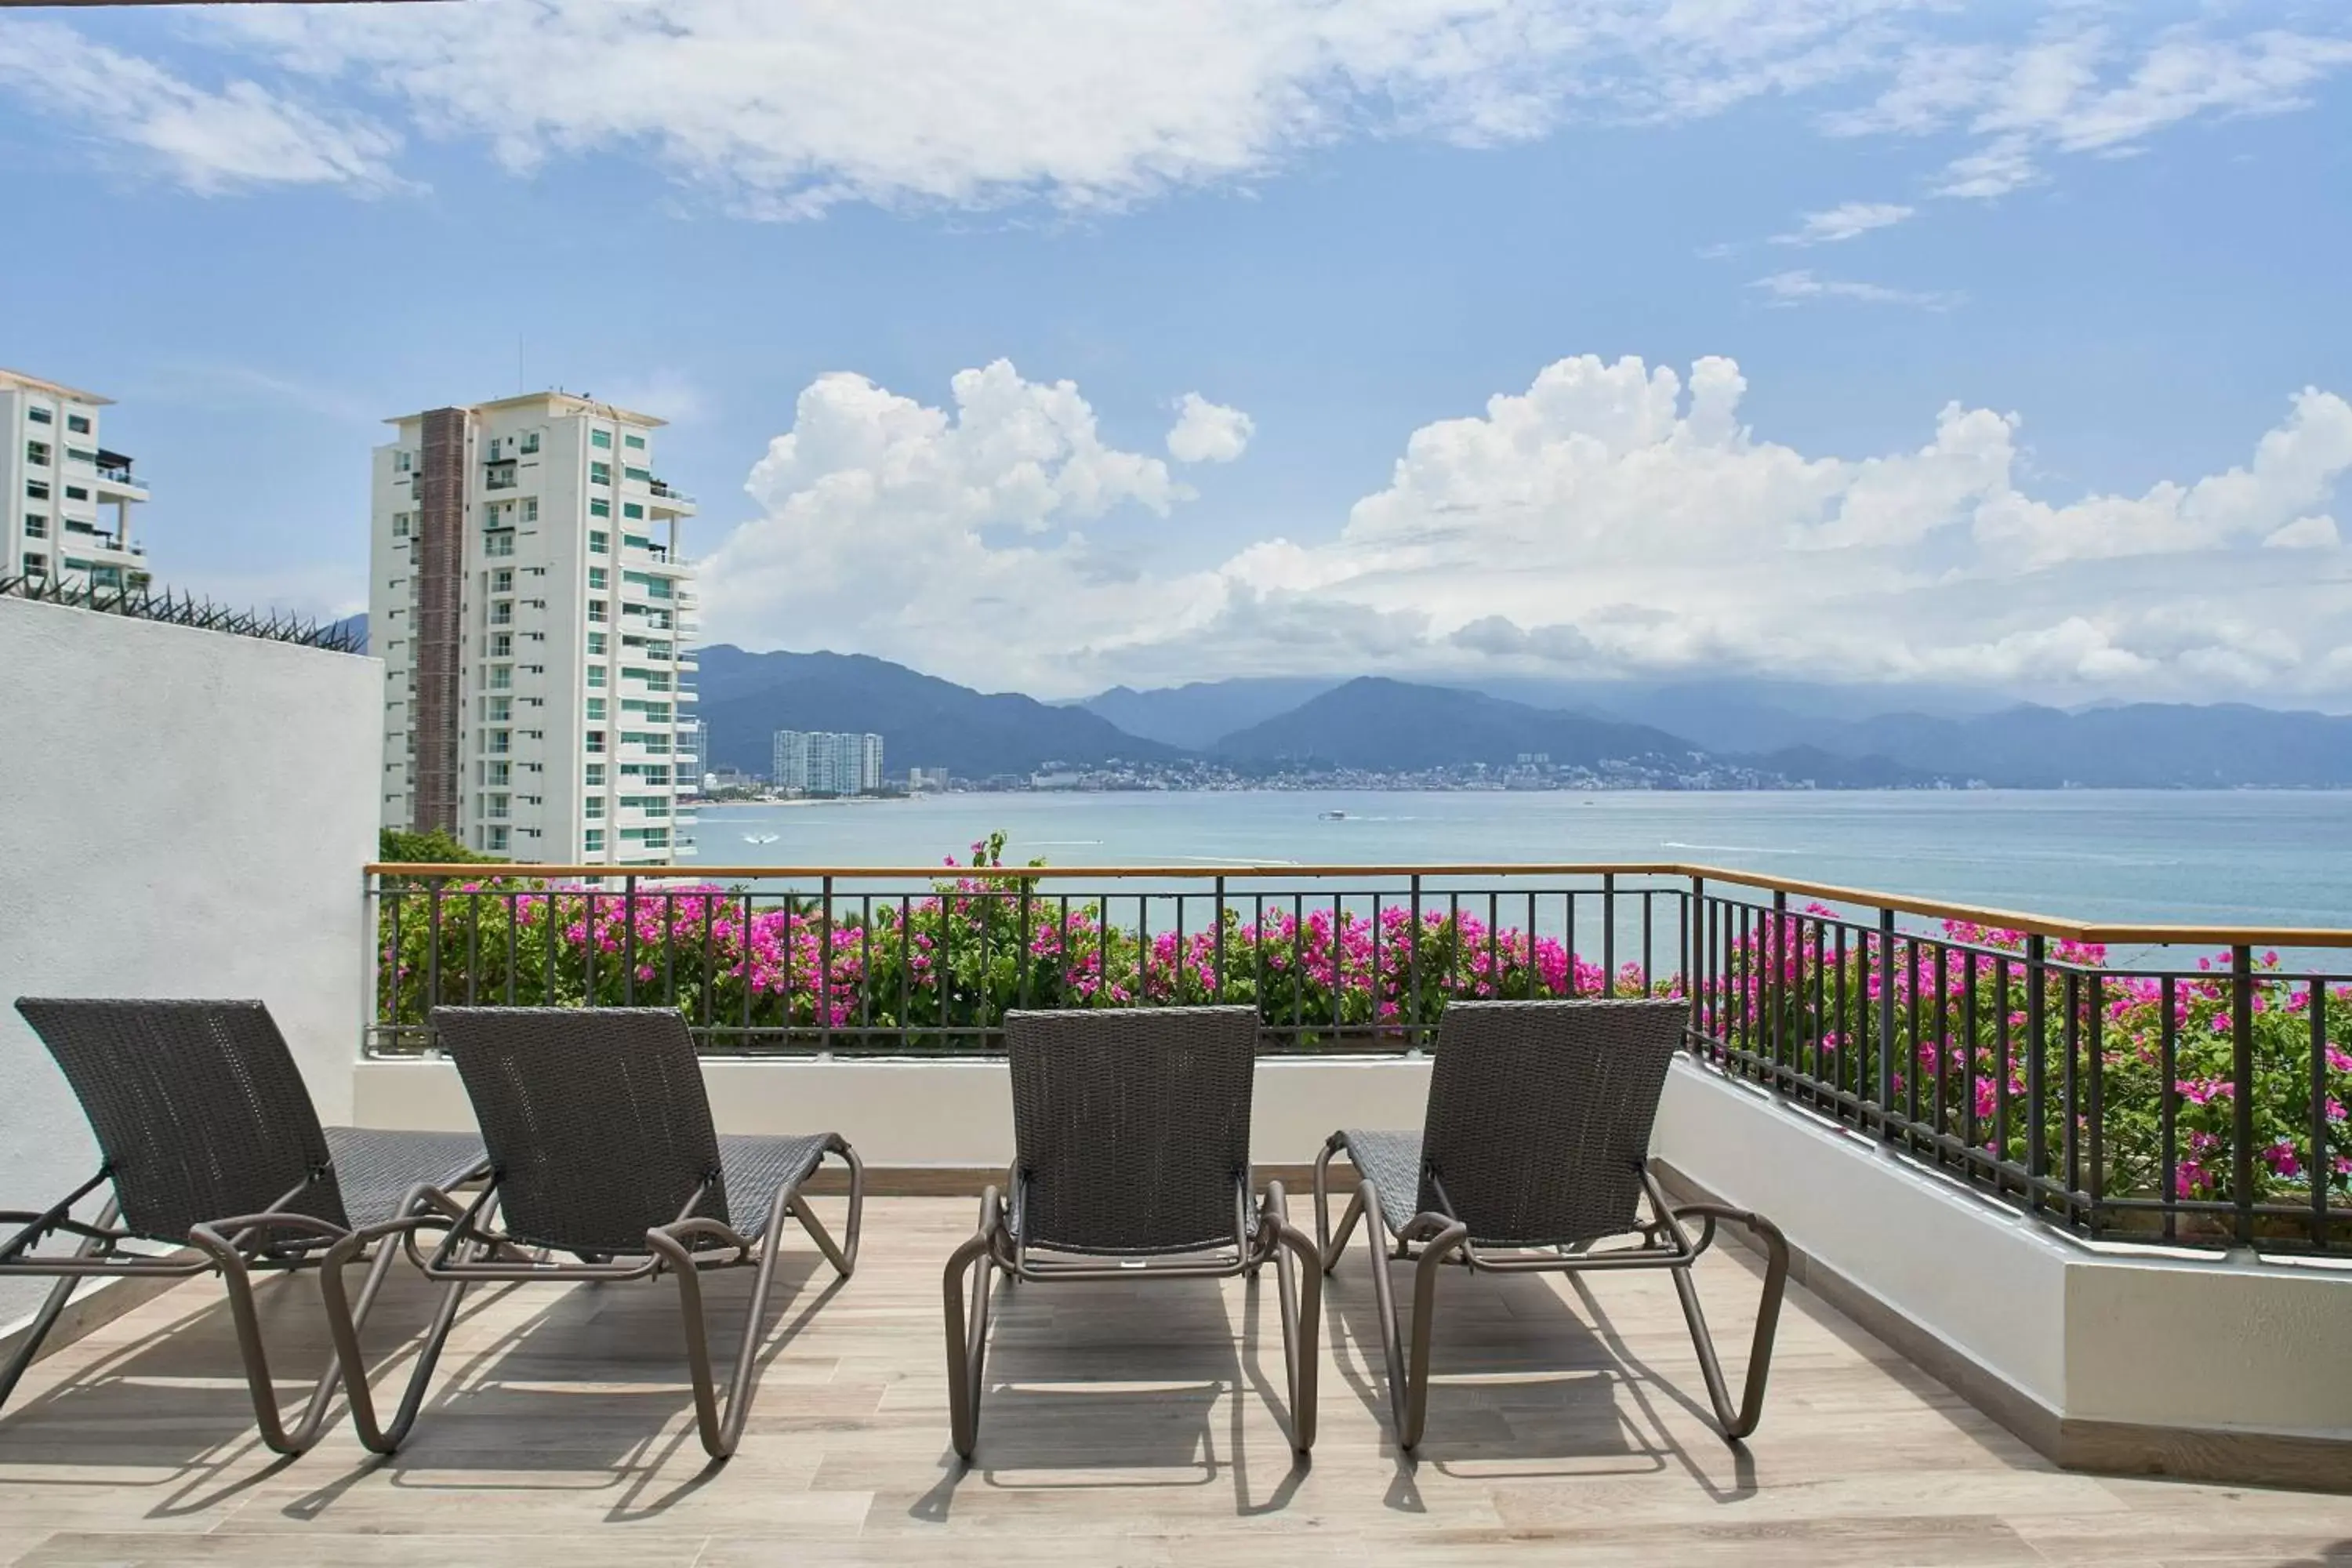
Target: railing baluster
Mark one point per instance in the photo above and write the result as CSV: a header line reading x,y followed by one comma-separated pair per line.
x,y
2242,1085
825,966
1885,973
1609,933
2037,1019
629,942
2168,1072
2094,1108
2319,1169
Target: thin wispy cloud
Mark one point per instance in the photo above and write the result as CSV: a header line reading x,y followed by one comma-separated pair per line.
x,y
789,112
1849,220
1803,284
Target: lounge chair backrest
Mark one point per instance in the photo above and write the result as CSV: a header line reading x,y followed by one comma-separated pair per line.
x,y
1539,1115
594,1119
1131,1126
199,1110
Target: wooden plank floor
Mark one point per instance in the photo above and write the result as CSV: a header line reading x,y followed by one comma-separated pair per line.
x,y
1125,1424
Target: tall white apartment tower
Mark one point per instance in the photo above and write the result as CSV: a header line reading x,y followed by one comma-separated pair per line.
x,y
65,501
535,615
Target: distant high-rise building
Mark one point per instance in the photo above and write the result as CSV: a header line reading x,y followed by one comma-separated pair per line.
x,y
65,501
920,781
531,602
821,763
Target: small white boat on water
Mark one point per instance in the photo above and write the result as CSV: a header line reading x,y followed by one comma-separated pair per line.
x,y
1331,816
760,837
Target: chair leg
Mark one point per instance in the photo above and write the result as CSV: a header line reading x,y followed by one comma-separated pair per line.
x,y
1424,1316
344,1321
843,1256
1737,1423
1384,1303
1327,1248
36,1332
968,1341
1298,1274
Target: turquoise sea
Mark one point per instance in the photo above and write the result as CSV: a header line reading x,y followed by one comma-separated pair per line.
x,y
2238,857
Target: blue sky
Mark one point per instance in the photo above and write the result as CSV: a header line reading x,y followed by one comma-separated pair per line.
x,y
2037,314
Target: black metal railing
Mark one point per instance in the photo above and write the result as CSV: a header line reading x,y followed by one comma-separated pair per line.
x,y
140,603
2193,1095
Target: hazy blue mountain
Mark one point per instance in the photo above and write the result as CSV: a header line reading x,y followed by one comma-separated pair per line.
x,y
1197,715
1374,722
357,624
1720,714
924,721
2143,745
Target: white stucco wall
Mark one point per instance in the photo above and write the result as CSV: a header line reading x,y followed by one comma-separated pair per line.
x,y
947,1114
182,814
2090,1334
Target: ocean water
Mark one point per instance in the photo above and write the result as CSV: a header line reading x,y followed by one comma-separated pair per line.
x,y
2238,857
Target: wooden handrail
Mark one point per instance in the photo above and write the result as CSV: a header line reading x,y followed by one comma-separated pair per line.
x,y
2119,935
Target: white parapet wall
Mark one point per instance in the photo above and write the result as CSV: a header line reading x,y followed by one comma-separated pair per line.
x,y
183,813
941,1114
2109,1357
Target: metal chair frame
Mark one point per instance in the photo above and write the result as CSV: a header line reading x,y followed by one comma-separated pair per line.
x,y
1436,1236
1144,1245
473,1251
997,1247
239,1247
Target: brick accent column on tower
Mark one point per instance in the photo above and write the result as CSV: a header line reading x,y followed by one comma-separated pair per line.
x,y
440,566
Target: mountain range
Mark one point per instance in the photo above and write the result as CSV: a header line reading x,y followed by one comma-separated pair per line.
x,y
1834,736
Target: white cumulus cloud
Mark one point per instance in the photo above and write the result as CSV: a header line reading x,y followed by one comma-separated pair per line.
x,y
1613,517
1207,432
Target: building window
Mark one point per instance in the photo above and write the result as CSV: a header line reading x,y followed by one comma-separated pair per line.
x,y
498,710
530,442
502,613
38,453
502,580
634,443
402,462
36,525
596,609
599,509
496,773
494,838
78,422
502,645
496,742
593,840
400,525
595,775
598,542
631,508
600,473
640,475
596,675
499,545
596,645
76,492
530,509
37,416
36,489
597,580
501,677
595,743
596,806
596,708
36,565
601,439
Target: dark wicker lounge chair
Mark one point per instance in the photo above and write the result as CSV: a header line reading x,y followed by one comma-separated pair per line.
x,y
208,1140
1132,1137
1537,1146
602,1148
